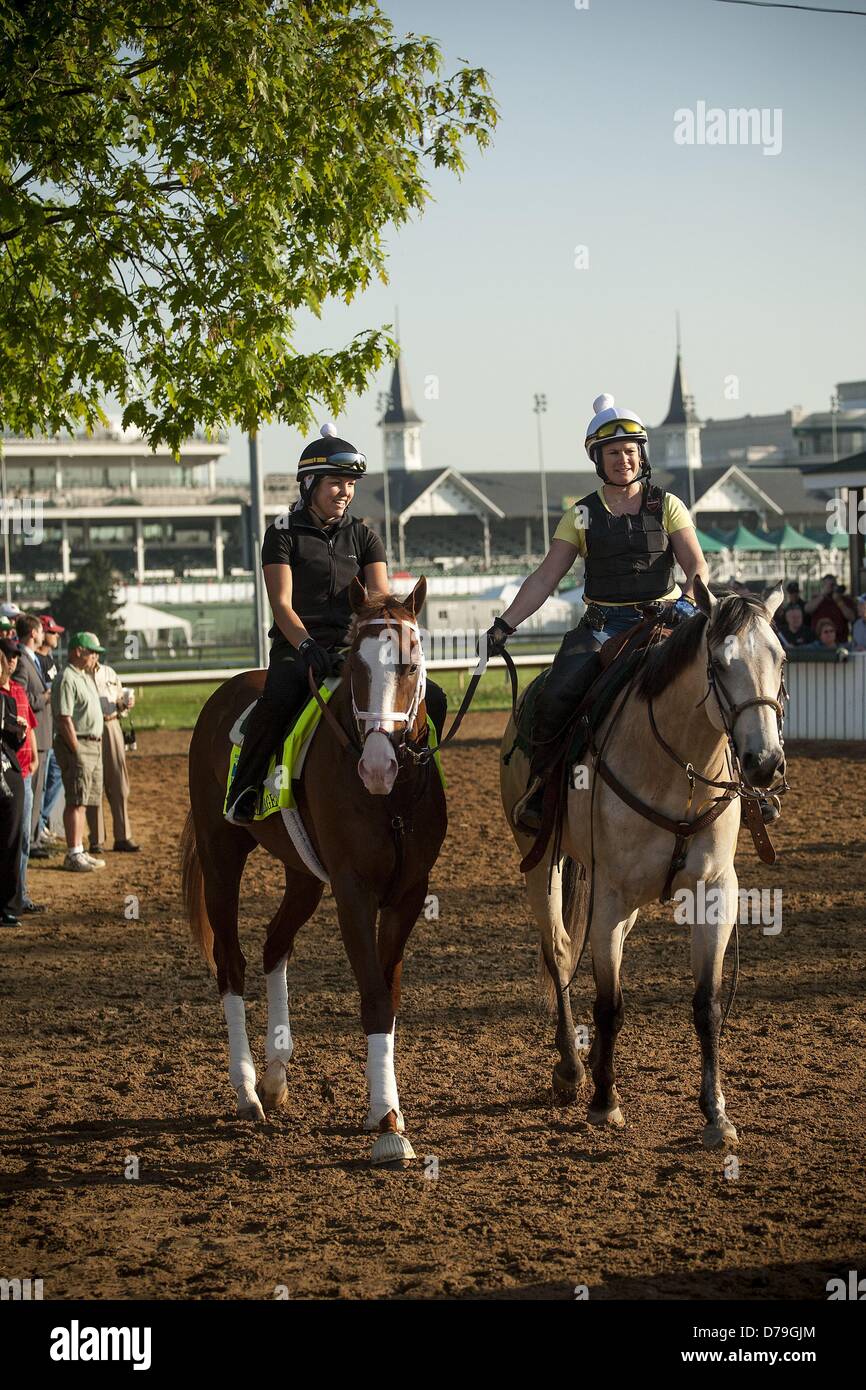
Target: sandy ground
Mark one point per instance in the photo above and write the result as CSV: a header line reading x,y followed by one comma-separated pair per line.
x,y
115,1051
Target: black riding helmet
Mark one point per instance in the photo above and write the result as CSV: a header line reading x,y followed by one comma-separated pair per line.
x,y
328,456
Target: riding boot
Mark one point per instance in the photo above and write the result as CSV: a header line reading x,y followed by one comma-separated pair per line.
x,y
575,668
437,706
266,725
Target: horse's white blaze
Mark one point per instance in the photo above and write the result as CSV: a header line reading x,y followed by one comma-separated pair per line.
x,y
381,1080
378,764
278,1045
242,1069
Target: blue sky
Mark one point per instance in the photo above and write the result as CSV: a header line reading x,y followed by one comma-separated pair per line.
x,y
761,254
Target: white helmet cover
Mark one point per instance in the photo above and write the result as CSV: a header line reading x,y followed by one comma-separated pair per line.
x,y
606,411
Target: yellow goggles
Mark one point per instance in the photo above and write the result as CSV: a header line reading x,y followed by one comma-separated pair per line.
x,y
613,427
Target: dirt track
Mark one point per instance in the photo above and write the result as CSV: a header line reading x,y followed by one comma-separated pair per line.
x,y
114,1046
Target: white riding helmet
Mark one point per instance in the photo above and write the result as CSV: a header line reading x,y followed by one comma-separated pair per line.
x,y
611,422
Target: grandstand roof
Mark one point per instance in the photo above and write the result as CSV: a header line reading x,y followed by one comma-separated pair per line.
x,y
518,493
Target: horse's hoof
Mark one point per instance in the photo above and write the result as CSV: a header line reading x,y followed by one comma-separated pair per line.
x,y
720,1136
249,1108
272,1099
392,1150
565,1089
613,1119
272,1090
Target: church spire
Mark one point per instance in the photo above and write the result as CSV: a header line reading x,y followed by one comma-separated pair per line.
x,y
681,408
400,409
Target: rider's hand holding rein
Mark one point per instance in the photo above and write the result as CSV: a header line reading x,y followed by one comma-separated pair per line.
x,y
316,658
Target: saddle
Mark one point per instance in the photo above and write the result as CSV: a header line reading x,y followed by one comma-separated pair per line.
x,y
287,762
609,673
604,676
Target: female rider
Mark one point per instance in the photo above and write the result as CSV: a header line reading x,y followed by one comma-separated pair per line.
x,y
309,558
630,534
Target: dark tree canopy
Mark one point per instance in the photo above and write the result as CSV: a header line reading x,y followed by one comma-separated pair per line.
x,y
179,180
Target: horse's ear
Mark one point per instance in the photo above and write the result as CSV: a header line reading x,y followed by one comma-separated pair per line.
x,y
703,598
774,598
415,600
357,595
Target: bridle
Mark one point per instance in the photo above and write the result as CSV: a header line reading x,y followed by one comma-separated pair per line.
x,y
730,713
376,718
379,717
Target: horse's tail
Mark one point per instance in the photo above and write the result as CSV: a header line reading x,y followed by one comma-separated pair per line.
x,y
192,886
575,922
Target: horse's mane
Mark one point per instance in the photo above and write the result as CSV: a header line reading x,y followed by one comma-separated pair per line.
x,y
733,614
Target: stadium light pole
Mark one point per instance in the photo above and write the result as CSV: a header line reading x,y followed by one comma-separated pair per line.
x,y
540,408
257,535
384,407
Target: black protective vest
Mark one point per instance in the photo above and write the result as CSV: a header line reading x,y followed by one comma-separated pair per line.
x,y
629,559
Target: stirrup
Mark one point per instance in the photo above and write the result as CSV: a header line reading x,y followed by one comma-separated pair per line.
x,y
238,814
526,816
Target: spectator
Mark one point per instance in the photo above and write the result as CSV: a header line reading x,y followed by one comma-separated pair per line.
x,y
28,759
52,782
11,796
858,630
29,674
738,587
78,745
832,602
794,598
825,638
792,629
115,704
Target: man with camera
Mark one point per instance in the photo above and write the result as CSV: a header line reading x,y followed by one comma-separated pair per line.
x,y
832,602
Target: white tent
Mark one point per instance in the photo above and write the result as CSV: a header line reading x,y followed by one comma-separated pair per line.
x,y
151,624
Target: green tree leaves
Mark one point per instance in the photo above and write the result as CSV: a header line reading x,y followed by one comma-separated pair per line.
x,y
179,180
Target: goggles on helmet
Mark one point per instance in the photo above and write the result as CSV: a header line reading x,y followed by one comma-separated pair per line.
x,y
614,427
355,463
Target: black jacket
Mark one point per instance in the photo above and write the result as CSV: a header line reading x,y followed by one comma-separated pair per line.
x,y
39,697
324,562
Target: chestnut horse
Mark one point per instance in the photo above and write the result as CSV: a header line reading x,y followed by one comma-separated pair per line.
x,y
376,824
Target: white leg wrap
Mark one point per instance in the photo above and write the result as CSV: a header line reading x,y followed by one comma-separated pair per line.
x,y
380,1077
278,1044
242,1070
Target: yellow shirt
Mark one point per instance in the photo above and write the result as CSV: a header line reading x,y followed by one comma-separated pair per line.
x,y
675,517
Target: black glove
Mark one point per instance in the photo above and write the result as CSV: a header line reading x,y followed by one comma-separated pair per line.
x,y
316,658
497,636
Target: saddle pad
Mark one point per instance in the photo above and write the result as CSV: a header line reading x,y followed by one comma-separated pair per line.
x,y
285,766
277,794
606,689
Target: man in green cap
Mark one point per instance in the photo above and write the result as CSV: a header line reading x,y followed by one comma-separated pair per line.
x,y
78,725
